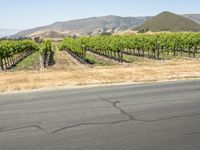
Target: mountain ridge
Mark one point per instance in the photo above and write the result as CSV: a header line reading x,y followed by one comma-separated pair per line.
x,y
87,26
194,17
90,26
168,21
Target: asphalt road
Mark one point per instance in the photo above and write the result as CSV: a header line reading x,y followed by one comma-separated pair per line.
x,y
164,116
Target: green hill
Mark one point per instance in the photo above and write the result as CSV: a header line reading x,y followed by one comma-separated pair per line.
x,y
168,21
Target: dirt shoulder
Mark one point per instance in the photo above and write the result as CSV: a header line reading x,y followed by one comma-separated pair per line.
x,y
145,72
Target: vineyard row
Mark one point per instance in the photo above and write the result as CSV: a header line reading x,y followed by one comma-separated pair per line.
x,y
157,46
13,51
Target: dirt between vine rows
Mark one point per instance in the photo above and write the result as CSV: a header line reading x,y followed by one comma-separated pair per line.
x,y
150,71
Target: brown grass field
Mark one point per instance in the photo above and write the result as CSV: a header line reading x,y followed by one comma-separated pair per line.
x,y
151,71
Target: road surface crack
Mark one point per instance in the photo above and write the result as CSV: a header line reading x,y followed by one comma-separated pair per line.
x,y
173,117
115,105
131,117
24,127
122,111
192,133
84,124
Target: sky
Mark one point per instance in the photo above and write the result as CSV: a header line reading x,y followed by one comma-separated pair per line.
x,y
25,14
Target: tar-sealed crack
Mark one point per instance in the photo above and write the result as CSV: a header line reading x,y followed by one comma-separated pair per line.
x,y
122,112
192,133
83,124
115,105
23,127
131,117
173,117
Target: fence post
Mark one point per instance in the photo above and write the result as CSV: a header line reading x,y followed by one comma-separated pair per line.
x,y
158,50
195,50
121,55
189,52
143,52
1,64
174,49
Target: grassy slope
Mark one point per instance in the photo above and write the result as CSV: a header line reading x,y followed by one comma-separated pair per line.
x,y
92,59
29,63
167,21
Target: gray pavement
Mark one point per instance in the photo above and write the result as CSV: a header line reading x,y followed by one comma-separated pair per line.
x,y
160,116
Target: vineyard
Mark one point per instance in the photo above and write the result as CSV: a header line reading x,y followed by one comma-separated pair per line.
x,y
105,53
157,46
117,48
11,52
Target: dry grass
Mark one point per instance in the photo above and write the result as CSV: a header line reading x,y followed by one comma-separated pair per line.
x,y
142,72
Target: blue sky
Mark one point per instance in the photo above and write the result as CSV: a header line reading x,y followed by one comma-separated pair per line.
x,y
24,14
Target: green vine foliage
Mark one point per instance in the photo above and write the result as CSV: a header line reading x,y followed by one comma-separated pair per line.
x,y
168,42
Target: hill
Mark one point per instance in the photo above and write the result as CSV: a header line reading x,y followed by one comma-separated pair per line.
x,y
194,17
48,34
167,21
88,26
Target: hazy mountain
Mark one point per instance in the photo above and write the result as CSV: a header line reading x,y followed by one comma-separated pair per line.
x,y
88,26
168,21
113,24
194,17
7,32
